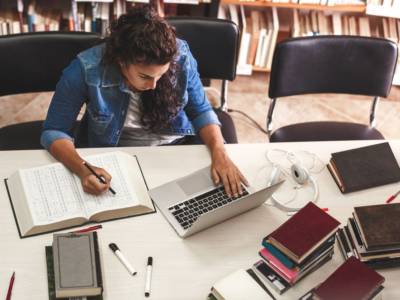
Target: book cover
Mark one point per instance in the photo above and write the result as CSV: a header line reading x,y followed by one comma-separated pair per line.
x,y
32,191
51,279
304,232
239,285
379,225
77,268
352,280
364,167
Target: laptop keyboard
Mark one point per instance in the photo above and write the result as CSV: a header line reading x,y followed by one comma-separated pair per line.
x,y
188,211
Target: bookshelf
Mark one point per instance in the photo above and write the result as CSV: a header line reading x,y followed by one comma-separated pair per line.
x,y
20,16
359,8
282,19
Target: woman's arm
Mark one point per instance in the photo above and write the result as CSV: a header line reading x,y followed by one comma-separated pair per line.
x,y
222,168
206,123
65,105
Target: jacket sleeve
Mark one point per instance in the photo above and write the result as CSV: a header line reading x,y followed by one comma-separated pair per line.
x,y
67,101
198,107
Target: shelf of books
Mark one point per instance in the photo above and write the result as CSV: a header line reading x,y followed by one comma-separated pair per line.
x,y
354,6
18,16
263,24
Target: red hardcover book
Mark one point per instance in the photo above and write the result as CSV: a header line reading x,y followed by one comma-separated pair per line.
x,y
353,280
304,232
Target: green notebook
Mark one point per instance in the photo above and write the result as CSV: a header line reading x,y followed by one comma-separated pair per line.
x,y
51,280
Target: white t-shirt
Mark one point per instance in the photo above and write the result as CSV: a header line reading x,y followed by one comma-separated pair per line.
x,y
133,133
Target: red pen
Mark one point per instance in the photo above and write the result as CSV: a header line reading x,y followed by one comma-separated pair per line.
x,y
391,198
10,286
92,228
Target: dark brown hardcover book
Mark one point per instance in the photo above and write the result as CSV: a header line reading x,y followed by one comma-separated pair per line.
x,y
379,225
364,167
304,232
353,280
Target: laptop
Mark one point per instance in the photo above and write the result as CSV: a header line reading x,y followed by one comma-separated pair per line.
x,y
193,203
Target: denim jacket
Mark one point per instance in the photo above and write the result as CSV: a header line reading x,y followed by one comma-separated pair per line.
x,y
102,88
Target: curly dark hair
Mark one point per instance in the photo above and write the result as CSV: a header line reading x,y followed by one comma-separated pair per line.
x,y
142,36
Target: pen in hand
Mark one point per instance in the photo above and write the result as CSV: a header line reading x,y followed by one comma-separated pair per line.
x,y
101,179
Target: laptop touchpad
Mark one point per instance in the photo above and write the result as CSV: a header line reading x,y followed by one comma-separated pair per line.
x,y
195,184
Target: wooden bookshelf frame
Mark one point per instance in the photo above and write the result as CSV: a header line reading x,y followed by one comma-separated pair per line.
x,y
340,8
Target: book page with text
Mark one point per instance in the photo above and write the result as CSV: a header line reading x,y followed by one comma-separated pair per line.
x,y
125,195
53,194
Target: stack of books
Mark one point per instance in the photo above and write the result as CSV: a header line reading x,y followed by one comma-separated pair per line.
x,y
353,280
373,235
299,246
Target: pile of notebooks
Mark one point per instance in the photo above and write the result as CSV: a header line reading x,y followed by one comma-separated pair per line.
x,y
353,280
299,246
373,235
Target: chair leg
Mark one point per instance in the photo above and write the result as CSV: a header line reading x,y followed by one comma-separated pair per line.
x,y
372,121
224,95
269,116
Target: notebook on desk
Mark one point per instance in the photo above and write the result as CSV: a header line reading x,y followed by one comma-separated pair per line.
x,y
353,280
193,203
365,167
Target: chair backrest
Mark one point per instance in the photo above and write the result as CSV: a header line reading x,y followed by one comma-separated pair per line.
x,y
333,64
213,42
34,62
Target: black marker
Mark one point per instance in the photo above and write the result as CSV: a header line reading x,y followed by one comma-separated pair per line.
x,y
148,276
122,258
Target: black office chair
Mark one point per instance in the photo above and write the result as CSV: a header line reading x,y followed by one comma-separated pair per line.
x,y
33,63
214,44
331,64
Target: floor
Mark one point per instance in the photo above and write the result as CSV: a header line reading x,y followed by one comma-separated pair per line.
x,y
249,95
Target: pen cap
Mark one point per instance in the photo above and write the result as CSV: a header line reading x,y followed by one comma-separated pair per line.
x,y
150,261
113,247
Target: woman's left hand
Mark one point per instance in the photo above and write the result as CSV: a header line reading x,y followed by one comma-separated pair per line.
x,y
224,171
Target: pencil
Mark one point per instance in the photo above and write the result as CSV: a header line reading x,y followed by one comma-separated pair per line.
x,y
101,179
392,197
88,229
10,286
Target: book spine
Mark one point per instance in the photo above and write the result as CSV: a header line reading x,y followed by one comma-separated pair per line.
x,y
384,263
278,255
97,260
337,180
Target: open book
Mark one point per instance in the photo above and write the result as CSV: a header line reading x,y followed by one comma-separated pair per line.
x,y
50,197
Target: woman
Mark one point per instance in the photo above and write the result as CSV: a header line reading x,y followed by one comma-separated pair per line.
x,y
141,87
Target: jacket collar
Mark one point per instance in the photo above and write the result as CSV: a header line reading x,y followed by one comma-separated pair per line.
x,y
111,76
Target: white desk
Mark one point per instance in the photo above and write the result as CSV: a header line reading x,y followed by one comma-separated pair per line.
x,y
183,269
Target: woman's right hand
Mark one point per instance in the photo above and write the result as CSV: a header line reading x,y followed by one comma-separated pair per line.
x,y
91,184
64,151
